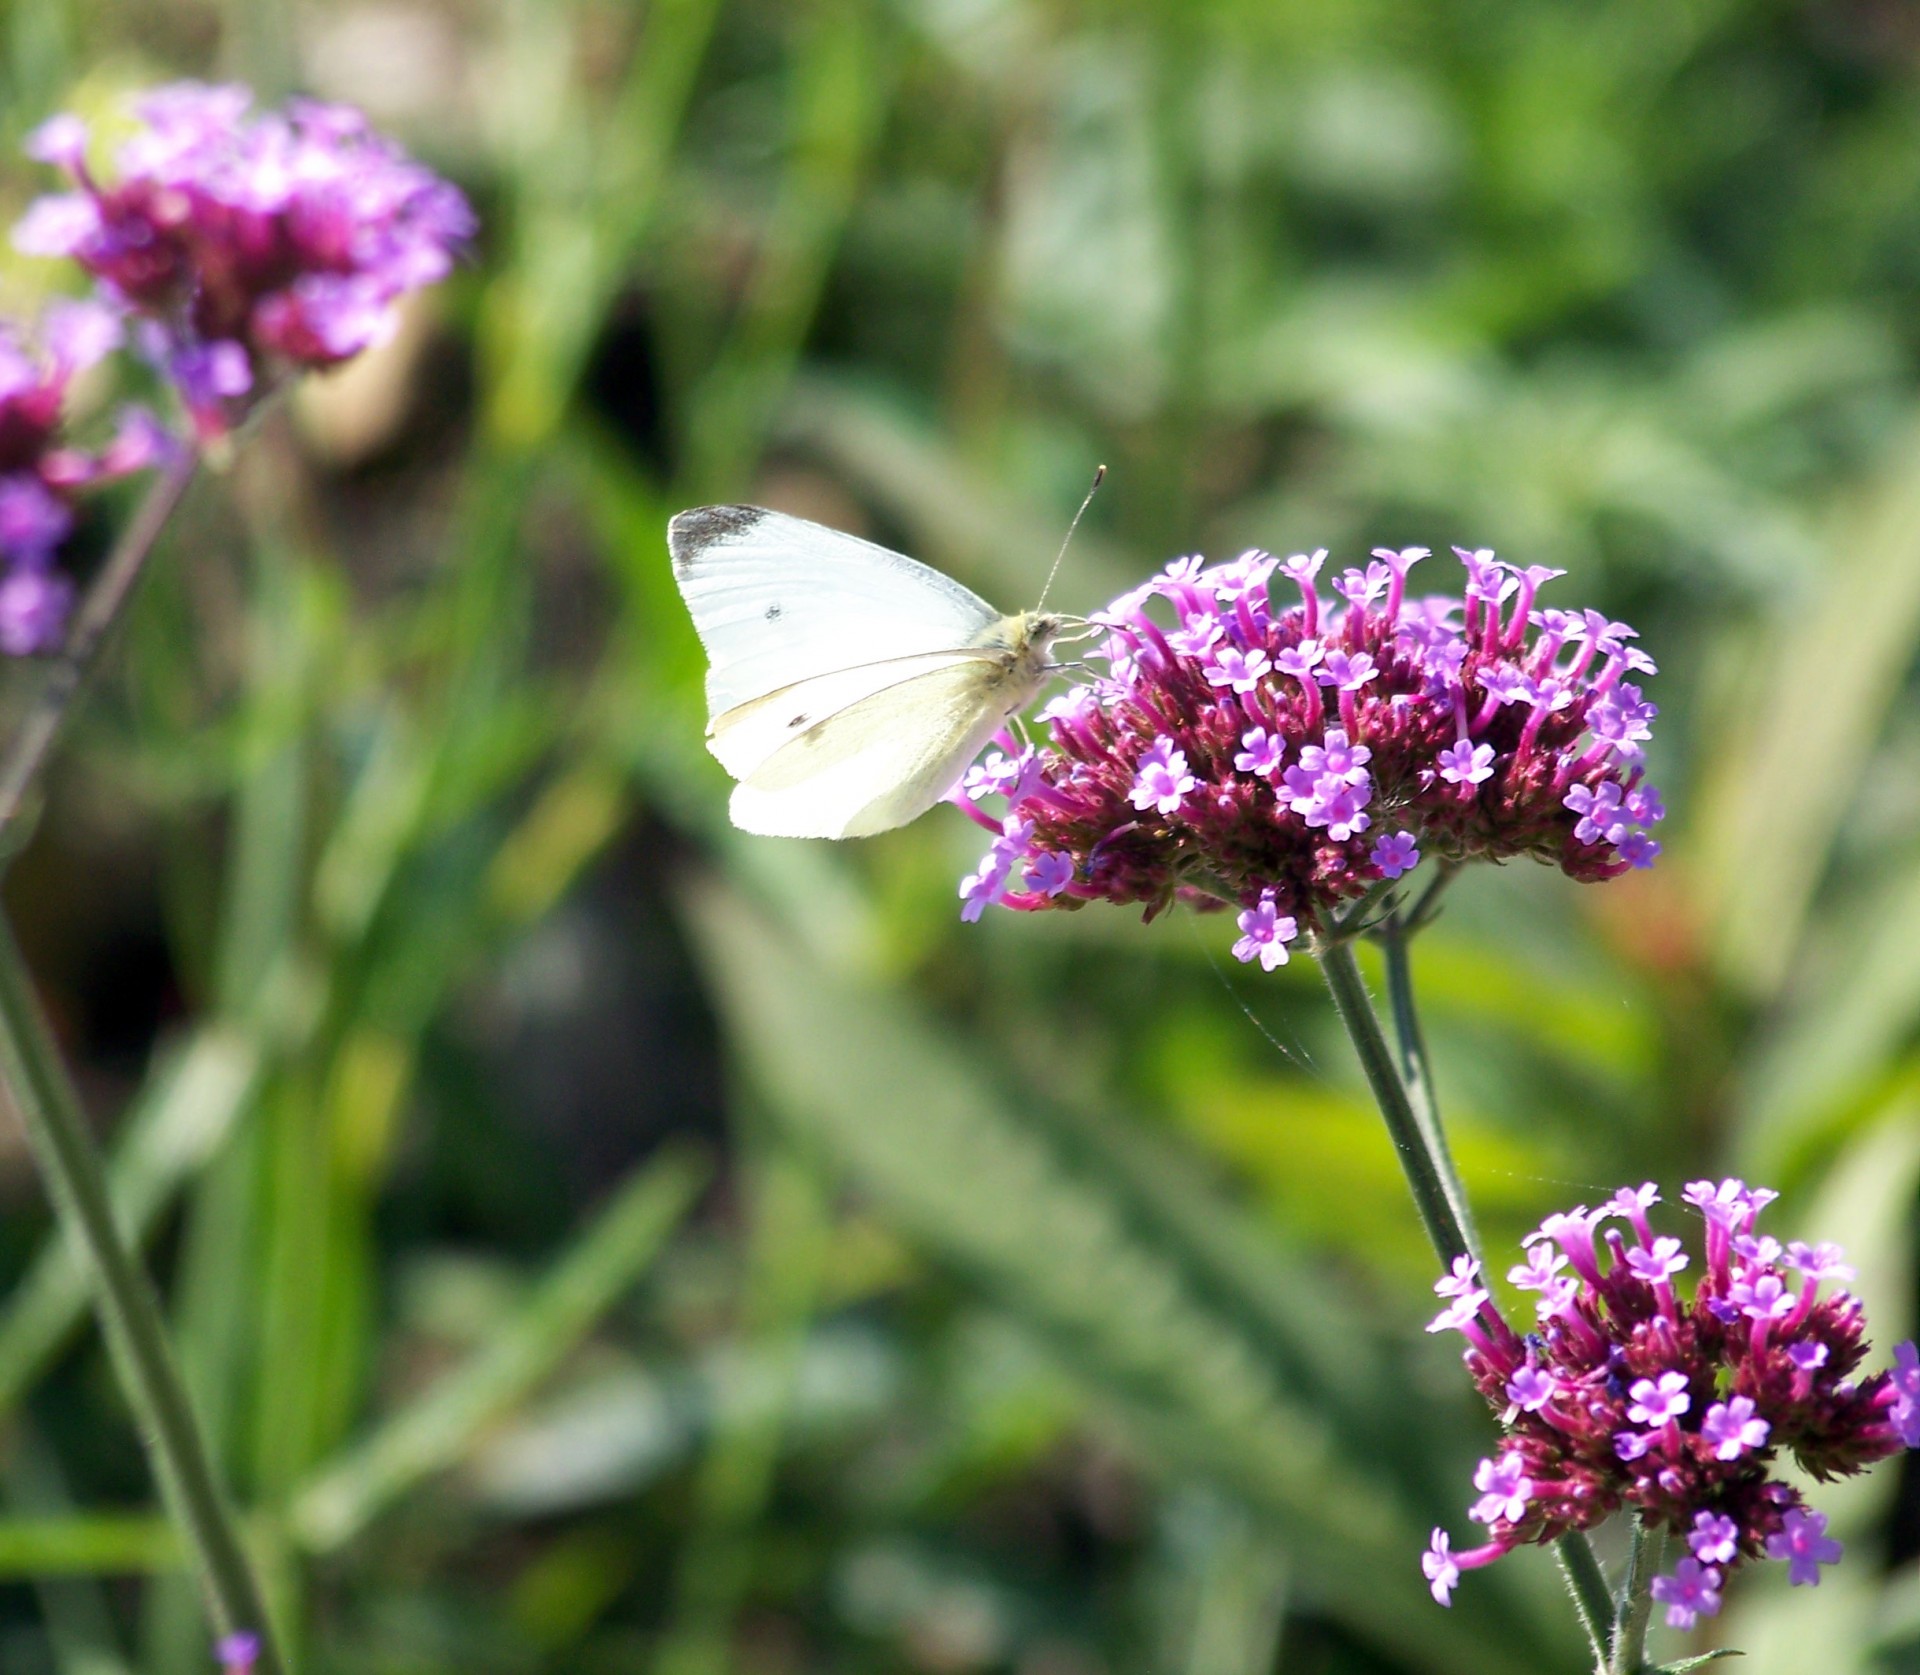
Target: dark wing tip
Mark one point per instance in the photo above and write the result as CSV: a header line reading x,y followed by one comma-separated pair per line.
x,y
689,534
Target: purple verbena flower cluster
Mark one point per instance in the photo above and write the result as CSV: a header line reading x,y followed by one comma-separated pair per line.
x,y
238,1653
1624,1393
1292,759
248,244
239,248
40,471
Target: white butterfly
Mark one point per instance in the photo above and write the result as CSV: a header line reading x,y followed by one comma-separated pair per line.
x,y
848,686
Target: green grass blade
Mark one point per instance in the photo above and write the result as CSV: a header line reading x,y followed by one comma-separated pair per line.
x,y
1784,776
88,1544
436,1432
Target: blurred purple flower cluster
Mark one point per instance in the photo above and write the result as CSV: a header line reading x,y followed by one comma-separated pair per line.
x,y
1291,759
1624,1393
39,471
248,244
235,249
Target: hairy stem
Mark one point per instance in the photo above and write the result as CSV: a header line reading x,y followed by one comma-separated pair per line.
x,y
34,1083
1636,1601
1592,1599
66,673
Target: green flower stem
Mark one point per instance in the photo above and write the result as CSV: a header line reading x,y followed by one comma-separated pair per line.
x,y
1592,1599
66,672
1636,1601
34,1082
1426,1177
1413,1121
1417,1076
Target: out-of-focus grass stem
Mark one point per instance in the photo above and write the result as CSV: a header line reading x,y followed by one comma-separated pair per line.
x,y
840,94
436,1431
786,1258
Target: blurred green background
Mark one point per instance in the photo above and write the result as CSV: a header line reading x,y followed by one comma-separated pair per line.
x,y
603,1242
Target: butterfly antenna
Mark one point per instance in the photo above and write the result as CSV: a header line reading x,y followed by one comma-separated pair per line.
x,y
1099,477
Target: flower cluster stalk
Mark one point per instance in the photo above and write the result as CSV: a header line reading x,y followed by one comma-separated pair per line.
x,y
1636,1601
35,1084
1425,1163
1417,1073
1419,1140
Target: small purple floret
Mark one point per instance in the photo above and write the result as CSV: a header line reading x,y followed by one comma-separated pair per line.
x,y
1690,1593
1163,781
41,471
1714,1539
1804,1543
1530,1389
1461,1278
1662,1262
1442,1574
1655,1401
1394,854
1732,1428
1264,934
1466,763
238,1653
1505,1490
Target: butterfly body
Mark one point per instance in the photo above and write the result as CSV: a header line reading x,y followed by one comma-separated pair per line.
x,y
848,686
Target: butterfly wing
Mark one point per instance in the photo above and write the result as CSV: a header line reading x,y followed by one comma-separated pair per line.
x,y
778,601
883,759
849,686
747,736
